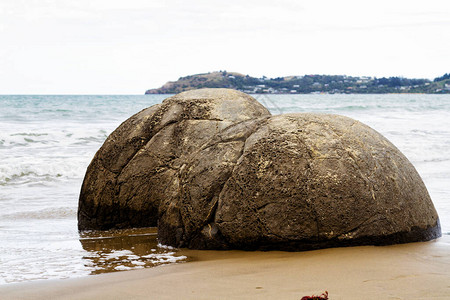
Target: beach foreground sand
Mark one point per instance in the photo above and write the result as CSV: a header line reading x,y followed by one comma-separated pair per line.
x,y
409,271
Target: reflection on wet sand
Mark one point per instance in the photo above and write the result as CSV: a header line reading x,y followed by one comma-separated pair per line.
x,y
128,249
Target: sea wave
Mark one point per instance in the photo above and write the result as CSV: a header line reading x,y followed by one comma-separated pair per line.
x,y
48,213
53,137
16,172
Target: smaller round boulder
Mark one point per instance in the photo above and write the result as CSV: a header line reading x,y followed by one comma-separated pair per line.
x,y
139,164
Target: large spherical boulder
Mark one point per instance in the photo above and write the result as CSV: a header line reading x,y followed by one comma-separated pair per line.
x,y
139,164
297,182
214,170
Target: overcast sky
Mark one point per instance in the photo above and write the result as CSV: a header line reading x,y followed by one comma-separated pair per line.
x,y
126,47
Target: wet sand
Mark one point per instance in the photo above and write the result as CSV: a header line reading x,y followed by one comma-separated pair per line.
x,y
409,271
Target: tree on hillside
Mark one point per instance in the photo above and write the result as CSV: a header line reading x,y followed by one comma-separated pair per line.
x,y
443,77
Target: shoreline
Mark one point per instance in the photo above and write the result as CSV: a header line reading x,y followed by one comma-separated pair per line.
x,y
406,271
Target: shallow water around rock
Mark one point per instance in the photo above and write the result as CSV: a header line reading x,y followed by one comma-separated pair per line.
x,y
128,249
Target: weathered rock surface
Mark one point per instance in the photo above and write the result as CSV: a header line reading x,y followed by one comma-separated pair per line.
x,y
297,182
254,181
138,165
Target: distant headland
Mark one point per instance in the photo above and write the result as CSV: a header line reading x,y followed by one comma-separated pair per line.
x,y
306,84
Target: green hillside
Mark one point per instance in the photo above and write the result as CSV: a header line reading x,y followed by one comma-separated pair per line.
x,y
305,84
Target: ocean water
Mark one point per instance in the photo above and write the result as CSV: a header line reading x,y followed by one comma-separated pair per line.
x,y
47,142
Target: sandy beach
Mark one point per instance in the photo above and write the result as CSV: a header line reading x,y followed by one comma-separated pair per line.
x,y
408,271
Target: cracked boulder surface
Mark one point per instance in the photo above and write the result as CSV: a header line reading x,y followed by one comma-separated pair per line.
x,y
139,164
297,182
214,170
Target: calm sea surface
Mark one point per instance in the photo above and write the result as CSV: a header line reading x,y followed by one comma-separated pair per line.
x,y
47,142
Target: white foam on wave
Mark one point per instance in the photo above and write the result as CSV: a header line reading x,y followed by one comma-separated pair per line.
x,y
165,246
123,268
118,254
54,260
48,213
59,259
165,257
47,155
40,169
